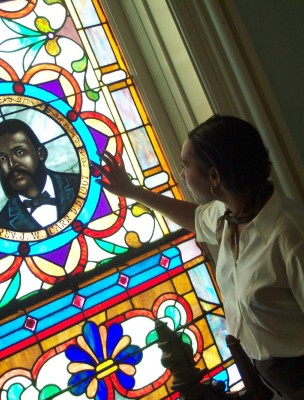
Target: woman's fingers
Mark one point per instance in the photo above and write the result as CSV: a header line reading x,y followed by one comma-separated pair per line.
x,y
104,171
98,166
108,159
114,176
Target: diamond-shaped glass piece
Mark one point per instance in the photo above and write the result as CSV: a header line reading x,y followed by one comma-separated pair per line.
x,y
123,280
30,323
78,301
164,262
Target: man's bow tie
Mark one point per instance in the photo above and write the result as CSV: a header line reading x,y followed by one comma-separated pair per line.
x,y
42,199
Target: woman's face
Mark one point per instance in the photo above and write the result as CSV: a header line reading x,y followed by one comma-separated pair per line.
x,y
198,181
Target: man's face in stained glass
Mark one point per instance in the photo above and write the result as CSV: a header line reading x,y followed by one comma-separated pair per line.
x,y
19,164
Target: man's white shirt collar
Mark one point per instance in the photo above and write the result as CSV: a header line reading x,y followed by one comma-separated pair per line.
x,y
45,214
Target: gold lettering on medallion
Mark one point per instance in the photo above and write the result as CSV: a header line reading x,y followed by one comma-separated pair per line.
x,y
84,186
84,162
67,219
22,236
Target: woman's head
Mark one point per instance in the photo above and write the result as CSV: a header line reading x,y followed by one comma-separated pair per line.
x,y
234,147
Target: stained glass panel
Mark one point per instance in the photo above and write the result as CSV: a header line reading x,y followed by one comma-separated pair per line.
x,y
54,62
85,275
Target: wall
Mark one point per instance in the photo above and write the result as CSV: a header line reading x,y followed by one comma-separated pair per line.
x,y
236,81
276,30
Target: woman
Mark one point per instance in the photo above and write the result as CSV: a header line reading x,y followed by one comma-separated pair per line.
x,y
260,266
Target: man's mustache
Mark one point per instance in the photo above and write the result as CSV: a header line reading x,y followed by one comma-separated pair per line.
x,y
22,171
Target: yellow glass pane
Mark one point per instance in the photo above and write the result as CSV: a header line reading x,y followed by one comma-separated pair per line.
x,y
205,331
157,394
182,284
207,306
99,10
117,86
220,312
200,364
146,299
109,68
25,358
99,319
119,309
212,357
61,337
192,299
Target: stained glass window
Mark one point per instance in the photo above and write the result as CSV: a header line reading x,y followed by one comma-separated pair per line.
x,y
84,274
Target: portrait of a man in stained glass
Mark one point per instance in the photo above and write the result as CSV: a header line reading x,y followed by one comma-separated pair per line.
x,y
36,195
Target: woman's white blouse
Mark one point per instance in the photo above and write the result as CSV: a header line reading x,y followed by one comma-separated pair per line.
x,y
263,291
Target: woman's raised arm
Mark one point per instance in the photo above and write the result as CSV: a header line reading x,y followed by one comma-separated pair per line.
x,y
116,180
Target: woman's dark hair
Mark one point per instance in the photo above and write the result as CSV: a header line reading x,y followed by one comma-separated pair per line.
x,y
15,125
237,151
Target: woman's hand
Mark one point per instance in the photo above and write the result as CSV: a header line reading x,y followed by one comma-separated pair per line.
x,y
114,176
117,181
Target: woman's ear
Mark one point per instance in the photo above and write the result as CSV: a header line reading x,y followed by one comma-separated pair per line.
x,y
214,177
42,153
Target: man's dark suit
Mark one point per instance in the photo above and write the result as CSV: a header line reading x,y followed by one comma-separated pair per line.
x,y
14,215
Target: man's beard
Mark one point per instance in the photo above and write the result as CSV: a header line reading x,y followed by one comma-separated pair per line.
x,y
38,177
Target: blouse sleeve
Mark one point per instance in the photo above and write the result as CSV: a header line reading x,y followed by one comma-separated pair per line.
x,y
295,272
206,217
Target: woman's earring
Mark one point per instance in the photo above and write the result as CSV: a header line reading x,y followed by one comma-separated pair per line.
x,y
212,191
